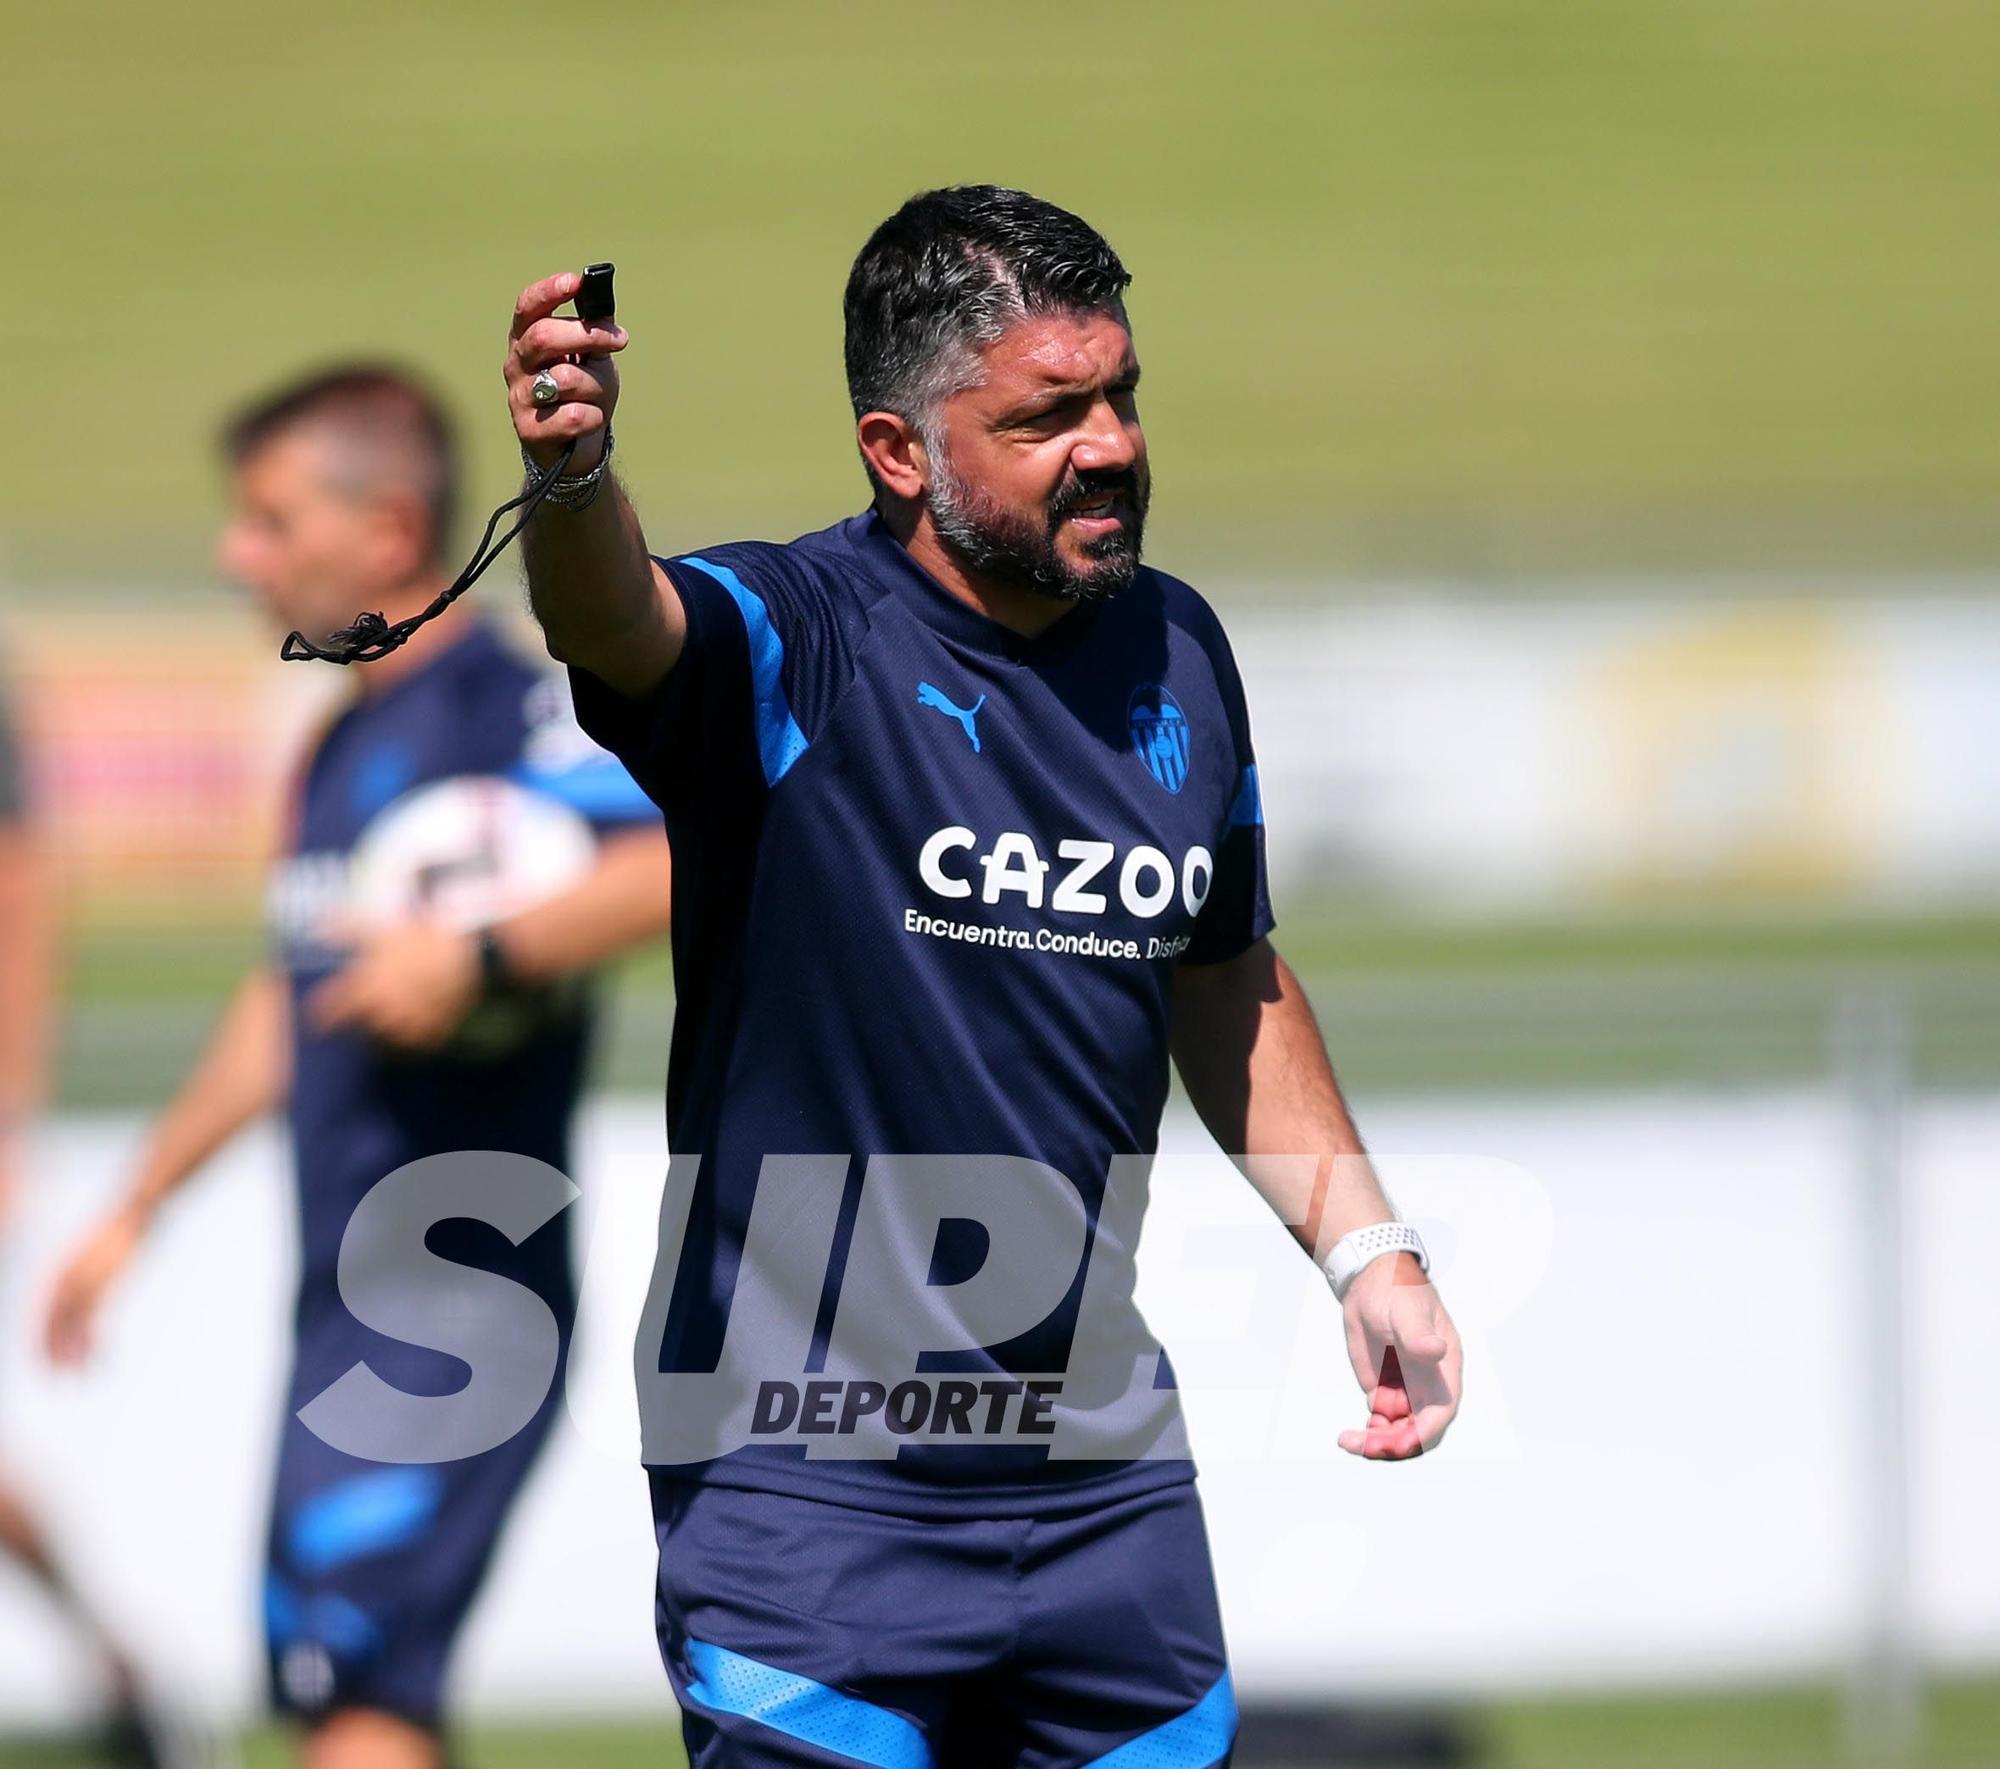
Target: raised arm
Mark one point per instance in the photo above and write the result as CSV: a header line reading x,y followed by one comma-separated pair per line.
x,y
602,602
1255,1068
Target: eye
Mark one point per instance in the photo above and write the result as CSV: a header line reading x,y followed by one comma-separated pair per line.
x,y
1075,408
1049,420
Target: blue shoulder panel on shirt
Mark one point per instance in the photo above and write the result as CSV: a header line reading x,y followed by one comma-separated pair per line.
x,y
384,775
1248,805
780,742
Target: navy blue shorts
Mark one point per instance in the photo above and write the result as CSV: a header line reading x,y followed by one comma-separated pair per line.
x,y
373,1566
799,1633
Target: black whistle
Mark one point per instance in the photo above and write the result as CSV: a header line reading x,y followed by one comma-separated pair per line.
x,y
594,301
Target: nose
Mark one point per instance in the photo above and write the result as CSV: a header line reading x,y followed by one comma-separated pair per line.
x,y
1109,443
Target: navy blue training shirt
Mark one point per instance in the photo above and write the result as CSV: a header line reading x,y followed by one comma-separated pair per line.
x,y
358,1110
932,879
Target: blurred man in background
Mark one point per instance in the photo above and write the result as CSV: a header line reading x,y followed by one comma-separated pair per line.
x,y
393,1042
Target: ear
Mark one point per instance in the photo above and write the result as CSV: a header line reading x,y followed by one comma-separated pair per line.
x,y
893,449
402,533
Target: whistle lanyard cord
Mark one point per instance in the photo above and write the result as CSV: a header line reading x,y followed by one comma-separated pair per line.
x,y
371,637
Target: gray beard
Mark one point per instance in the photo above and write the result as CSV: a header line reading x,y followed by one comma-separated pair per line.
x,y
1011,548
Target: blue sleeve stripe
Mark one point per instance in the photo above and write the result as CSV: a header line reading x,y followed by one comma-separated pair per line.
x,y
600,791
1248,806
1196,1739
799,1708
780,742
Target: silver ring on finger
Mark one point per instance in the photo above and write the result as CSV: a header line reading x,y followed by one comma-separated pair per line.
x,y
544,389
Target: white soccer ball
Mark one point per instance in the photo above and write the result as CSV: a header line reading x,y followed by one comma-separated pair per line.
x,y
467,852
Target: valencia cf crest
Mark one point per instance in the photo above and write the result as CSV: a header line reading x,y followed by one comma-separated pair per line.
x,y
1160,735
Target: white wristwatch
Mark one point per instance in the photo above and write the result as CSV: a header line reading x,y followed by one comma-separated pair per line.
x,y
1366,1245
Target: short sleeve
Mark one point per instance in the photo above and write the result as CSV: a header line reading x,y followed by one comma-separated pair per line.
x,y
1237,913
690,736
767,650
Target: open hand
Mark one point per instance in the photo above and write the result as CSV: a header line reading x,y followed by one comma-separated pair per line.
x,y
1407,1357
69,1324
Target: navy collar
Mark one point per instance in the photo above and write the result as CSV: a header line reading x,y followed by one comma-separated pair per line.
x,y
954,617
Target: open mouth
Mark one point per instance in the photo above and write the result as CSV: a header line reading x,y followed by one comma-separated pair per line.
x,y
1101,510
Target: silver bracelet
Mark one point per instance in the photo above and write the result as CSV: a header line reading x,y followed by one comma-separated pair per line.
x,y
579,490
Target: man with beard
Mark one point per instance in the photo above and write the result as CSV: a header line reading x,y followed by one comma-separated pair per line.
x,y
974,848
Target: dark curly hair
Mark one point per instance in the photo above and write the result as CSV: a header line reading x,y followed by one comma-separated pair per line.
x,y
947,273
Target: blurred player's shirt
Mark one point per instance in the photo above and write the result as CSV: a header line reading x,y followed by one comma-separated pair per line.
x,y
359,1110
932,881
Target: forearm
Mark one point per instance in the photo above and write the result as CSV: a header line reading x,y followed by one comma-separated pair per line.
x,y
243,1073
603,604
1255,1067
27,971
626,899
595,590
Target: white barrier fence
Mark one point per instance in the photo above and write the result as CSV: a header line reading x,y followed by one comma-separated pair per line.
x,y
1498,749
1706,739
1661,1474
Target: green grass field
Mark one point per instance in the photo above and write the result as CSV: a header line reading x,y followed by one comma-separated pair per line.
x,y
1494,286
1775,1729
1406,1004
1787,1729
1479,284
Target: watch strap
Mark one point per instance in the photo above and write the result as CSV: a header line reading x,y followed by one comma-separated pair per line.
x,y
1363,1246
